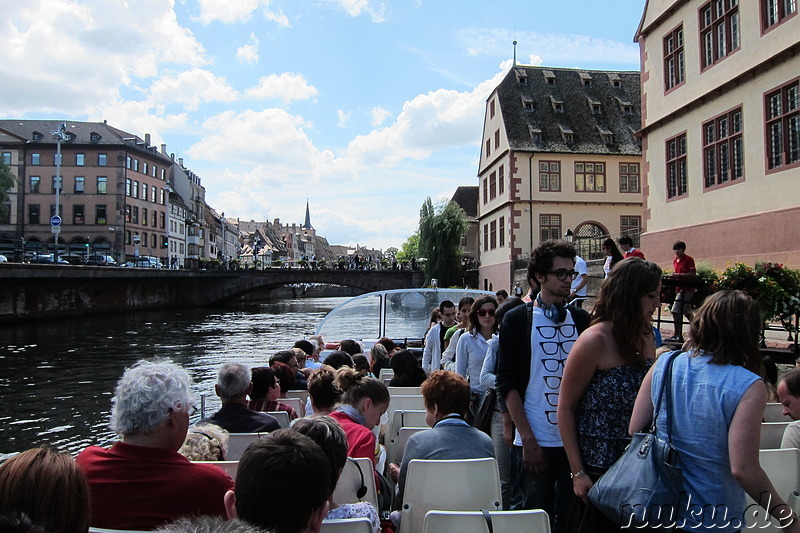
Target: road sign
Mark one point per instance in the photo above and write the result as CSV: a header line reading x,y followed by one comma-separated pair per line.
x,y
55,221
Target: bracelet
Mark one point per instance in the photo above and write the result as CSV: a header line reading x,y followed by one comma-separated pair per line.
x,y
579,474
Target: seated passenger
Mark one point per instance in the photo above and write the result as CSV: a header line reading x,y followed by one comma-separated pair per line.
x,y
143,482
331,438
323,393
208,524
282,485
289,358
48,488
285,377
266,391
446,396
338,359
351,347
362,365
206,442
380,358
407,372
233,386
789,397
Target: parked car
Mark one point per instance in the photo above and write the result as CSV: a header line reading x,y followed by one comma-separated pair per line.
x,y
148,262
3,259
73,259
47,259
101,260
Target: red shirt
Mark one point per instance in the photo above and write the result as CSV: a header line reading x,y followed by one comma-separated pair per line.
x,y
684,265
360,440
142,488
633,252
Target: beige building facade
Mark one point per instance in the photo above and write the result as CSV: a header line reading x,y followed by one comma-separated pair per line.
x,y
559,153
721,130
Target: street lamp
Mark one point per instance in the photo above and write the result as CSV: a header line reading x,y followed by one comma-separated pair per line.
x,y
569,236
59,135
136,241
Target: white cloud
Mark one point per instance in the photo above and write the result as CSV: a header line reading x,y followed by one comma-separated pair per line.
x,y
379,116
286,87
230,11
552,48
344,118
191,88
375,9
248,53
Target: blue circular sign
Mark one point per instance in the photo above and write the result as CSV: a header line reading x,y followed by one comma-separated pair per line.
x,y
55,221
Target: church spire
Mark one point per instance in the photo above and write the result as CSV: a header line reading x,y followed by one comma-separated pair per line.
x,y
307,223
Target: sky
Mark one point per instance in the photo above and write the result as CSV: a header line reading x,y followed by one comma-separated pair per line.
x,y
363,108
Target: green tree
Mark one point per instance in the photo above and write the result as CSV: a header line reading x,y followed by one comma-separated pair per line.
x,y
440,231
390,253
410,249
7,181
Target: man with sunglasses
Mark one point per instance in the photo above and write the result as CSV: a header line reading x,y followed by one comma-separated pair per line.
x,y
535,340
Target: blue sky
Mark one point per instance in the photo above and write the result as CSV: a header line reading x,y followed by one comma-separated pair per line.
x,y
364,107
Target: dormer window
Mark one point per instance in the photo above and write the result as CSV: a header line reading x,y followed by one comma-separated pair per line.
x,y
527,103
567,135
522,77
586,79
549,77
536,134
37,136
94,137
558,105
615,80
595,106
626,106
616,83
606,135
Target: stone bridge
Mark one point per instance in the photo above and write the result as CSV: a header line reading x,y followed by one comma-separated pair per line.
x,y
40,291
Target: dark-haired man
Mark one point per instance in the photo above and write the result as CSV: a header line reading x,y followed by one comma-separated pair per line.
x,y
535,340
282,484
626,244
682,267
432,354
789,396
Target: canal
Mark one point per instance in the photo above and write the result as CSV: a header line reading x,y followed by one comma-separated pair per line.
x,y
57,377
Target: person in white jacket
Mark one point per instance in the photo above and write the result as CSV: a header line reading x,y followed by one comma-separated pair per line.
x,y
432,354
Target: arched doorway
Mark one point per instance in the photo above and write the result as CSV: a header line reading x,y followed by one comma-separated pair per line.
x,y
589,237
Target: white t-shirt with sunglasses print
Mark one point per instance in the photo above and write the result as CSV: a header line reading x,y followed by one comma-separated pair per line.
x,y
550,344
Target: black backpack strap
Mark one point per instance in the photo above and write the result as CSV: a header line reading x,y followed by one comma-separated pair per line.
x,y
580,317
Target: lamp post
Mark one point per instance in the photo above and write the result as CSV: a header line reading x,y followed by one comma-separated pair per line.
x,y
59,135
136,241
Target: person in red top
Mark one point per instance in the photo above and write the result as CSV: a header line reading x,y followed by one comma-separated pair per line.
x,y
682,267
626,243
143,482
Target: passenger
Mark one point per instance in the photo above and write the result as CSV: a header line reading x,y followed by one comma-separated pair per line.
x,y
453,334
266,391
284,376
501,296
309,348
339,359
351,347
446,396
282,485
364,401
233,385
434,339
789,397
301,357
472,346
613,255
208,524
207,442
289,358
380,358
602,376
323,393
48,488
502,432
143,482
362,365
389,344
330,436
717,403
407,372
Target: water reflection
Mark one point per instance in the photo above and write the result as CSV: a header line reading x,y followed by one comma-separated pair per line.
x,y
57,377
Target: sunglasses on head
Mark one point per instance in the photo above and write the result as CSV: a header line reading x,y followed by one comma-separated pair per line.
x,y
484,312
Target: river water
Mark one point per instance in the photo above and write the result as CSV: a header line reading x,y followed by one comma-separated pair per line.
x,y
57,377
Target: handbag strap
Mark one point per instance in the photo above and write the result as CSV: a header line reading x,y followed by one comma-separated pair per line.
x,y
488,518
666,385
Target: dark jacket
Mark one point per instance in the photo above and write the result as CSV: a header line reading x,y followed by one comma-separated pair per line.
x,y
237,418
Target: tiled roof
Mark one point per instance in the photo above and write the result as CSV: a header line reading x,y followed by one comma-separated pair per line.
x,y
466,197
583,102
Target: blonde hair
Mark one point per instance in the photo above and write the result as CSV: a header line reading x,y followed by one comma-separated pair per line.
x,y
205,443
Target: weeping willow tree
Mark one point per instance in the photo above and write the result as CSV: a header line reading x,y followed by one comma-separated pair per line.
x,y
7,181
440,231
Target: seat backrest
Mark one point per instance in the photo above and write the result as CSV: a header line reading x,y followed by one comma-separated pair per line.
x,y
449,485
402,440
346,525
401,418
772,434
301,394
529,521
357,472
405,391
238,443
229,467
783,470
295,403
405,402
386,372
281,416
774,413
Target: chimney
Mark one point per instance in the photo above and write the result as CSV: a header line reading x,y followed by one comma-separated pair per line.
x,y
180,161
164,149
147,139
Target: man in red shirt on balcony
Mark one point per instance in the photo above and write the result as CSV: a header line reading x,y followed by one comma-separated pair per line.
x,y
683,267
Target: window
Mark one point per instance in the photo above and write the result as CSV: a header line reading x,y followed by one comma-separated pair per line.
x,y
485,190
100,214
33,214
144,191
488,147
723,154
676,166
128,162
590,177
501,231
163,174
102,160
486,237
154,217
80,159
492,186
128,187
719,30
162,197
34,181
135,215
136,165
35,159
628,177
153,243
37,136
135,190
94,137
128,216
496,139
102,185
491,109
493,234
777,11
153,193
144,216
549,227
57,184
549,176
501,180
58,159
78,216
163,216
674,67
80,184
782,109
7,158
155,171
144,167
631,226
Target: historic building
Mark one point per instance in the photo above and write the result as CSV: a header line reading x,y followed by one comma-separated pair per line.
x,y
559,155
721,129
